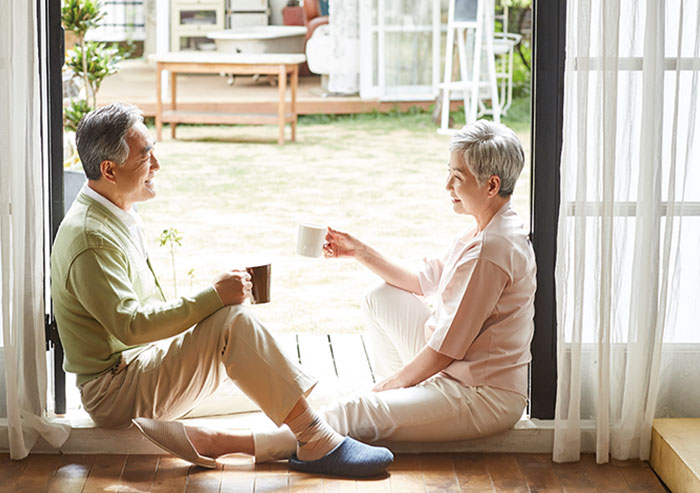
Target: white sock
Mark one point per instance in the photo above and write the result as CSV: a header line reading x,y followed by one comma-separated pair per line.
x,y
315,438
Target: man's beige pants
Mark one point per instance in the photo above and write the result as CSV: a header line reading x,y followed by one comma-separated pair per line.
x,y
436,410
167,379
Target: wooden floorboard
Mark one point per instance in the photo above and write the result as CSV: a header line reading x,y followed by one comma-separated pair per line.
x,y
10,472
472,473
439,473
38,474
72,473
105,474
505,473
170,475
202,480
409,473
139,472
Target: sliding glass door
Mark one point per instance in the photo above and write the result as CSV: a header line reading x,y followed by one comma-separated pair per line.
x,y
400,49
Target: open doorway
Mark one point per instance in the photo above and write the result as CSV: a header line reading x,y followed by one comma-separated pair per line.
x,y
234,195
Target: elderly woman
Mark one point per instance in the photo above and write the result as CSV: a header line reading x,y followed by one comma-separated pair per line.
x,y
458,370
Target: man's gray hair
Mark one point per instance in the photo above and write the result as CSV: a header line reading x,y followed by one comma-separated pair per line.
x,y
101,136
490,149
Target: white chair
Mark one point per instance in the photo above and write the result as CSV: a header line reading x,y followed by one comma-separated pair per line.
x,y
318,53
471,24
504,44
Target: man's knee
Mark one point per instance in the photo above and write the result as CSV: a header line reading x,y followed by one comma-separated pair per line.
x,y
238,320
231,321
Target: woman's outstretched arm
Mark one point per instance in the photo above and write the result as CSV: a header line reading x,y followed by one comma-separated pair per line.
x,y
339,244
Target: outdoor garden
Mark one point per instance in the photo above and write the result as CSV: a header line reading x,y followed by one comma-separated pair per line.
x,y
229,197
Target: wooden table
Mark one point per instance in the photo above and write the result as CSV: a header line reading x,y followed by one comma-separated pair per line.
x,y
229,63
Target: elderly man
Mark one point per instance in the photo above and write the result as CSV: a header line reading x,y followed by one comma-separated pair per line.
x,y
141,358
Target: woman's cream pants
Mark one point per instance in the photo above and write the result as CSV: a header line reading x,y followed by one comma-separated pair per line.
x,y
438,409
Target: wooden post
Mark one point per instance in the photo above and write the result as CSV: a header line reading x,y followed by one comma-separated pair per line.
x,y
159,104
295,83
173,99
282,84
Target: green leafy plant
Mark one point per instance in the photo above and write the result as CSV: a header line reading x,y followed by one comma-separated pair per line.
x,y
172,238
190,275
91,61
94,61
73,113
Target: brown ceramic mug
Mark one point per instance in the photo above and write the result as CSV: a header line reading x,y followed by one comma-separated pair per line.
x,y
260,277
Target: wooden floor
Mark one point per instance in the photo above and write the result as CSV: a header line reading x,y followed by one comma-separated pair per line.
x,y
409,473
344,355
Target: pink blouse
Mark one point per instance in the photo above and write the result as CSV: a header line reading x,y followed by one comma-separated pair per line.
x,y
485,286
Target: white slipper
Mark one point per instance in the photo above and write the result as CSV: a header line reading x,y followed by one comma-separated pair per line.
x,y
171,437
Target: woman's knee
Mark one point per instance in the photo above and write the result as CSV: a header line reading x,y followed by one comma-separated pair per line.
x,y
378,297
359,416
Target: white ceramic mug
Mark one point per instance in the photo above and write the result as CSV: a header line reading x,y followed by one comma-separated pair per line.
x,y
310,239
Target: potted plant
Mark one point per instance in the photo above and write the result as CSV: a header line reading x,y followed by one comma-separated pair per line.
x,y
293,14
89,62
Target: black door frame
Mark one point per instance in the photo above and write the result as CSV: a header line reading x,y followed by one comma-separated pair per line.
x,y
549,39
549,43
51,46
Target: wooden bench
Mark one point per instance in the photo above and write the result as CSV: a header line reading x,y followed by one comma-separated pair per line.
x,y
281,65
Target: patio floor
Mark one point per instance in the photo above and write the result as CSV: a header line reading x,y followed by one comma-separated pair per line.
x,y
135,84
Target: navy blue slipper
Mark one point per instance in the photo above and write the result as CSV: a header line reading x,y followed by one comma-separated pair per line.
x,y
351,459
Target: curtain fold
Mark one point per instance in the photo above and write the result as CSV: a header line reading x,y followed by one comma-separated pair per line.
x,y
22,233
629,224
344,20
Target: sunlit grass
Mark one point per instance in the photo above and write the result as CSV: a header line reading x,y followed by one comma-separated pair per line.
x,y
378,176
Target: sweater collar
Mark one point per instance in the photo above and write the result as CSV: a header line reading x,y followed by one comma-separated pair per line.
x,y
130,219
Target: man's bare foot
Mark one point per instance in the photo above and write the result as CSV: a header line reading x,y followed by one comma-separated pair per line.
x,y
214,443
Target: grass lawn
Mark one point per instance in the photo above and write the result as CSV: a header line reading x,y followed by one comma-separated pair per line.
x,y
235,196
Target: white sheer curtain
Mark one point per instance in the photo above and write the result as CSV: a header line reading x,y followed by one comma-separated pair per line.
x,y
21,233
344,20
629,229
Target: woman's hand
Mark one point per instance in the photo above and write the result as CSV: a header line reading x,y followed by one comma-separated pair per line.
x,y
426,364
390,383
233,287
339,244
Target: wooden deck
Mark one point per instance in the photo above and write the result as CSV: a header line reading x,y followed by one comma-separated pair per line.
x,y
408,474
135,83
107,468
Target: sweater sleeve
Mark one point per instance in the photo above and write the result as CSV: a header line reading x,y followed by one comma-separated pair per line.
x,y
99,279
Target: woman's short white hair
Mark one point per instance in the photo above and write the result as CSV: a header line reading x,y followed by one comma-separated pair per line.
x,y
490,149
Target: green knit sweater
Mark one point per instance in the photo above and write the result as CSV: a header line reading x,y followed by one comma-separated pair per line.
x,y
106,296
